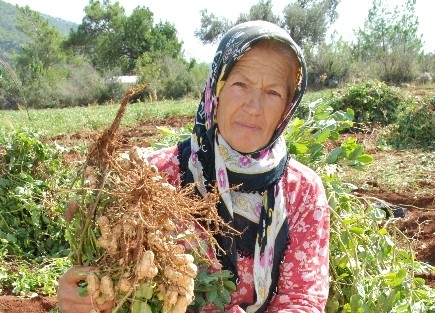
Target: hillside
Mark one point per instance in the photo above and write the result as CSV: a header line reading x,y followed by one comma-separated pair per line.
x,y
11,38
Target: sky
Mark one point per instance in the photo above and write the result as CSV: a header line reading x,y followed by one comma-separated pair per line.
x,y
185,16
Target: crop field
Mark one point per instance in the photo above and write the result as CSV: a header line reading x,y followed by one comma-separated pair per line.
x,y
404,179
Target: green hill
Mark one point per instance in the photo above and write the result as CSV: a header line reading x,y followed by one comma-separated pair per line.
x,y
11,39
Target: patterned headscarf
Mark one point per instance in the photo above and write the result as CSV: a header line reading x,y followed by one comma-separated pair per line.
x,y
206,158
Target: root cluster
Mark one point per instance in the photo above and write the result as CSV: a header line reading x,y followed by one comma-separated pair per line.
x,y
144,236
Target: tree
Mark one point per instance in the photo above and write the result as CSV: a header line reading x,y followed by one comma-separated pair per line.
x,y
140,36
173,78
114,41
305,20
100,19
213,28
43,50
50,75
165,40
260,11
390,41
330,65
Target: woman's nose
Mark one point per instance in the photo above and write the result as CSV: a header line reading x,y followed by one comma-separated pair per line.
x,y
253,101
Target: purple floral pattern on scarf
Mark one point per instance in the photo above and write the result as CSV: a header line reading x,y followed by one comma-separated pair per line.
x,y
270,256
245,161
193,157
258,207
262,260
222,178
263,154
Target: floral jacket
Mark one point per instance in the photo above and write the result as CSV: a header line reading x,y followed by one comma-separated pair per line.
x,y
304,273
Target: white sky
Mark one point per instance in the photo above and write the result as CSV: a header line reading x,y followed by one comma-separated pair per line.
x,y
185,15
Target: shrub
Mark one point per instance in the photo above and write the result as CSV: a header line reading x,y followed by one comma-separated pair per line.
x,y
423,78
64,86
414,128
173,78
23,277
369,271
397,67
329,66
10,93
31,224
373,102
83,85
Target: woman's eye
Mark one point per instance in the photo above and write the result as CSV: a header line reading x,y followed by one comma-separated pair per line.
x,y
240,84
274,93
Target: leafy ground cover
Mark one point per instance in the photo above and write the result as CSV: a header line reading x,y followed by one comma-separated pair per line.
x,y
404,178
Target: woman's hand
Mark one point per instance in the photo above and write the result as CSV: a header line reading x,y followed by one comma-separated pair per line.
x,y
68,297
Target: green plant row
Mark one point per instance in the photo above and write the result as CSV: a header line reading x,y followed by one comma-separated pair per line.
x,y
31,176
32,231
372,265
406,121
52,122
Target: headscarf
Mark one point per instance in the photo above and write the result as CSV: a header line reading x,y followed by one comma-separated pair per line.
x,y
206,158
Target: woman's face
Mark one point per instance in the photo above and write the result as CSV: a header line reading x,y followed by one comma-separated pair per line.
x,y
253,99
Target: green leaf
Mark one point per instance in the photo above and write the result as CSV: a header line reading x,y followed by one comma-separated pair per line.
x,y
350,221
299,148
209,279
145,291
383,231
230,285
333,155
356,152
342,276
334,135
219,304
322,135
137,306
146,308
365,158
404,307
82,288
396,282
225,296
211,296
205,288
11,238
419,281
351,113
223,274
314,104
343,262
356,230
199,301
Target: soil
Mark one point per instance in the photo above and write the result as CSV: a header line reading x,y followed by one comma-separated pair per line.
x,y
418,223
38,304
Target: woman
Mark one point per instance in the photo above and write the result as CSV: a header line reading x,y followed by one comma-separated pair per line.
x,y
280,261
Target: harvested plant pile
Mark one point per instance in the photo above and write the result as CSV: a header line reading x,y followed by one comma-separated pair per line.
x,y
138,231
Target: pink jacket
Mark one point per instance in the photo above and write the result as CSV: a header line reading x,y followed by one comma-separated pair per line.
x,y
303,284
